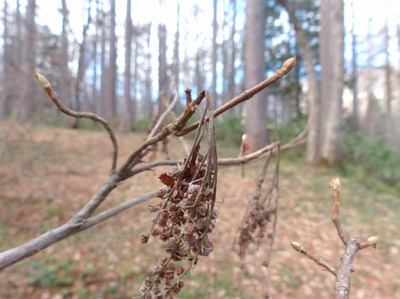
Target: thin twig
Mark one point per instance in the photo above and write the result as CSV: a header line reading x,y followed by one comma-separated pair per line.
x,y
163,116
353,245
296,246
247,94
116,210
167,130
50,92
335,184
180,138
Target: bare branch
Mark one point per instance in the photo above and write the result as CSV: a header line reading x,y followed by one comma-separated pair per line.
x,y
296,246
50,92
71,227
116,210
163,116
178,124
353,245
335,184
247,94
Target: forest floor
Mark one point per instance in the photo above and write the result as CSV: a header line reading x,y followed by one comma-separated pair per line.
x,y
47,174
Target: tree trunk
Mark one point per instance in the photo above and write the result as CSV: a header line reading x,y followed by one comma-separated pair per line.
x,y
103,65
112,101
162,64
388,88
65,93
354,69
95,93
256,113
29,84
303,42
6,88
148,91
331,57
214,55
176,58
232,69
81,69
127,117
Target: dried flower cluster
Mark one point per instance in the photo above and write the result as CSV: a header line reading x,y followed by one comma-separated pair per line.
x,y
184,219
260,212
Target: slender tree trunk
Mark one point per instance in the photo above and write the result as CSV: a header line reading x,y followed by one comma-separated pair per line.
x,y
354,68
127,116
303,42
81,68
214,54
176,57
331,57
95,93
65,79
112,106
29,84
199,75
396,121
369,125
388,88
256,113
103,85
148,98
232,44
162,64
6,90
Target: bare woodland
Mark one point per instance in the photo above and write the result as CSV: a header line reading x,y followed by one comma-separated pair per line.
x,y
260,74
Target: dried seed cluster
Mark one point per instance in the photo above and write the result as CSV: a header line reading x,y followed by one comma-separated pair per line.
x,y
260,212
184,218
254,226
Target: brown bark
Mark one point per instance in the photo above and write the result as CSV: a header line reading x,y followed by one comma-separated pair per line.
x,y
104,81
354,69
256,109
388,88
303,42
6,64
65,80
127,116
81,69
232,69
214,54
331,57
162,64
176,60
29,85
112,101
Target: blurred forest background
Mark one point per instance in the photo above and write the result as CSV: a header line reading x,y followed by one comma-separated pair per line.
x,y
120,59
104,60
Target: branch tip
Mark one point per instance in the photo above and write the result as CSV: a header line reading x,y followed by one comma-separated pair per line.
x,y
288,65
296,246
42,80
335,183
371,241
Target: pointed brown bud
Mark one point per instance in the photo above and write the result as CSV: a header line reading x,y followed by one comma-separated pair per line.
x,y
288,65
335,183
42,80
296,246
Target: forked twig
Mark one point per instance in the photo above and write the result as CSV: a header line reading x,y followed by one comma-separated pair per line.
x,y
50,92
353,245
287,66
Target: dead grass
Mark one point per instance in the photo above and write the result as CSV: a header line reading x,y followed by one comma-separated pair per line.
x,y
51,173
